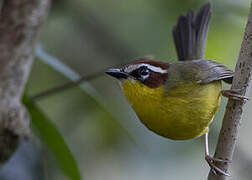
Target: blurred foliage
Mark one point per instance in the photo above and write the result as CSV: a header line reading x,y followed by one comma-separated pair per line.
x,y
52,138
89,35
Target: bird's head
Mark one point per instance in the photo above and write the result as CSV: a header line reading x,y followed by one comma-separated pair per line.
x,y
150,73
142,82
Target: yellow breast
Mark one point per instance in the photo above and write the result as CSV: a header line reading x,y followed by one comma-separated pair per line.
x,y
182,113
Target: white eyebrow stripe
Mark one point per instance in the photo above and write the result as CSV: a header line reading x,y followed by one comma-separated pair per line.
x,y
156,69
131,68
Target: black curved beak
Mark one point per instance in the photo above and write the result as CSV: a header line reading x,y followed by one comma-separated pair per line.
x,y
117,73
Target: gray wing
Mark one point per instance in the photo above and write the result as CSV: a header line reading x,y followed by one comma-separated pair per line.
x,y
211,71
198,71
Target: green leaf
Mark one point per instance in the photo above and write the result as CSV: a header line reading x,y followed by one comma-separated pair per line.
x,y
50,135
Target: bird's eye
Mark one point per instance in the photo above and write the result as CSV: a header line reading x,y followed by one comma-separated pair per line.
x,y
144,71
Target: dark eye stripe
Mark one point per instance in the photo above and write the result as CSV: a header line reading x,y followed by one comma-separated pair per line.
x,y
135,74
138,73
144,72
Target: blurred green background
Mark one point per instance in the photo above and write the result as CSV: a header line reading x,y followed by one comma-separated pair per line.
x,y
110,143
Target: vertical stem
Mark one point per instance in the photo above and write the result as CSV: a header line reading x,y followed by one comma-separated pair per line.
x,y
20,23
234,110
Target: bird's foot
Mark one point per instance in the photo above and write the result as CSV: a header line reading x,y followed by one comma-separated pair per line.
x,y
234,94
215,169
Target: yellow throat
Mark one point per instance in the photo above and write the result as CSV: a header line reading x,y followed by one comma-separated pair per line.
x,y
180,114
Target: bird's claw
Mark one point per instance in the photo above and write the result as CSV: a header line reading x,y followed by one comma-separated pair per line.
x,y
215,169
234,94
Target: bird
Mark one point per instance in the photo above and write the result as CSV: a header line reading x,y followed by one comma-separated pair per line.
x,y
179,100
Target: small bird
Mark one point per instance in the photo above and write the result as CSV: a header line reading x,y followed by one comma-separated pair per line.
x,y
179,100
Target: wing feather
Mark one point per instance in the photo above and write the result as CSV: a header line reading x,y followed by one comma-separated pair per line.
x,y
215,71
198,71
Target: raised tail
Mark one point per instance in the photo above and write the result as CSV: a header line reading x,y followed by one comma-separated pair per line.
x,y
190,33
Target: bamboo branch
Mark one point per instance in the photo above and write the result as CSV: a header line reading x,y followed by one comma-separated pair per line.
x,y
234,110
20,23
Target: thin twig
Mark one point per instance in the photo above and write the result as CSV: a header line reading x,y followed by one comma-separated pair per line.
x,y
61,88
76,79
234,110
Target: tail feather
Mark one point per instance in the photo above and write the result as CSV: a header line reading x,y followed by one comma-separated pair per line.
x,y
190,33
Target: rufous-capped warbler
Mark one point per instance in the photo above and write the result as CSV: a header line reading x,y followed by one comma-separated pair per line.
x,y
178,100
175,100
